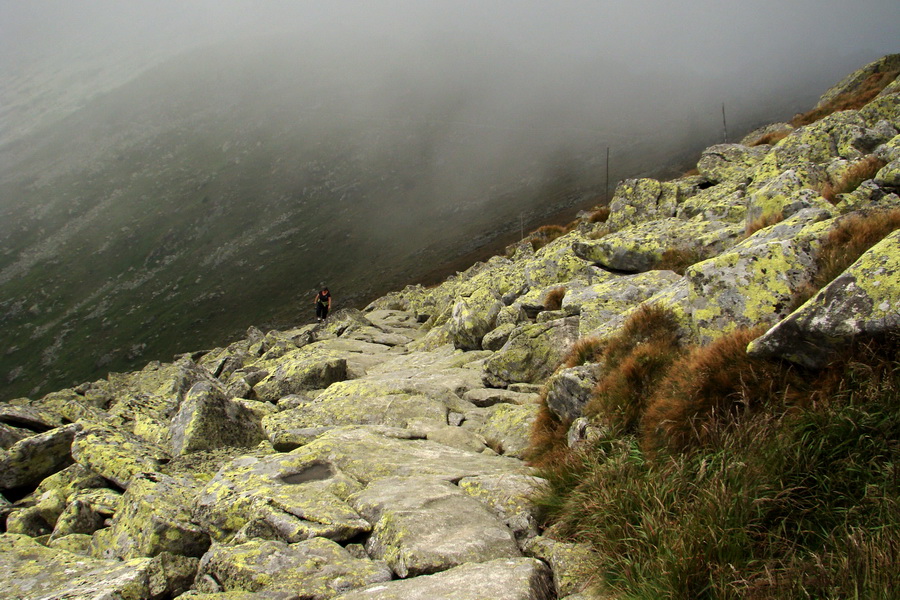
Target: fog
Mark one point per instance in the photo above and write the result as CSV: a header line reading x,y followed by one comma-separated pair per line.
x,y
172,172
732,52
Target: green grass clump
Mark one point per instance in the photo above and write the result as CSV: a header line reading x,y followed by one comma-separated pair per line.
x,y
782,490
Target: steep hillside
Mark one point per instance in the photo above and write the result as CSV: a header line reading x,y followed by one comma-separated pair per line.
x,y
219,189
692,393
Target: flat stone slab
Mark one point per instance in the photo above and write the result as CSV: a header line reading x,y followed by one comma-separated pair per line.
x,y
315,569
501,579
291,497
370,453
424,525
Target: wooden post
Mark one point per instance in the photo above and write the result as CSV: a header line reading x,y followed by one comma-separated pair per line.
x,y
724,124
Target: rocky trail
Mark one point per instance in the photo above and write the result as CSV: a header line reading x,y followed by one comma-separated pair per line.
x,y
380,455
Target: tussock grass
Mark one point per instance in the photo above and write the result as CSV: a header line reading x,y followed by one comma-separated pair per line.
x,y
545,234
771,138
553,298
600,215
709,388
584,350
548,438
843,246
852,100
632,363
852,178
792,495
679,259
763,222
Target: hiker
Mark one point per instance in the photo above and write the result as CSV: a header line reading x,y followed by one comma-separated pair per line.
x,y
323,304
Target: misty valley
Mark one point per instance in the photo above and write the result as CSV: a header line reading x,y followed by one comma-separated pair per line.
x,y
220,189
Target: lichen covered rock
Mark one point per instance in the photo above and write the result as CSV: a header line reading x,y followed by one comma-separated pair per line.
x,y
424,525
316,569
863,301
745,288
289,497
207,419
532,352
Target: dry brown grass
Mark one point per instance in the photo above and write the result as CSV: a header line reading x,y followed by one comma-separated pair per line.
x,y
545,234
771,138
600,215
633,362
583,351
852,178
547,444
711,386
679,259
553,298
854,100
763,222
852,237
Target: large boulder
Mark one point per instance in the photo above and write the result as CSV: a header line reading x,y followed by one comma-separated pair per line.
x,y
510,497
358,402
34,572
729,162
746,288
472,318
532,353
726,202
786,193
32,459
283,497
638,200
641,247
369,453
424,525
568,390
863,301
499,579
116,455
506,427
599,303
207,419
154,516
300,371
316,569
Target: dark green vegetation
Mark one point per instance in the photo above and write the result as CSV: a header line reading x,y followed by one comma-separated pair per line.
x,y
787,492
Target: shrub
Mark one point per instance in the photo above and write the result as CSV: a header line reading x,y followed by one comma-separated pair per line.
x,y
553,298
843,246
852,178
